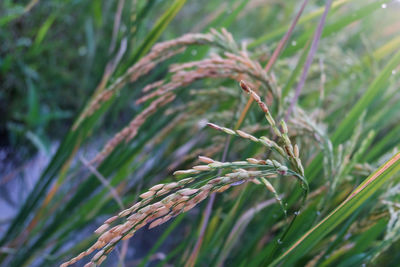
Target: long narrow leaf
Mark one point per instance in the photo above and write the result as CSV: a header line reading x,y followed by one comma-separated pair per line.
x,y
354,201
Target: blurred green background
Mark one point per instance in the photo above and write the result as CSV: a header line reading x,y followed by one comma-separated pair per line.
x,y
55,55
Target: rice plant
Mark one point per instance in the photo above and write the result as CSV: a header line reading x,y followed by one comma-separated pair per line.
x,y
235,133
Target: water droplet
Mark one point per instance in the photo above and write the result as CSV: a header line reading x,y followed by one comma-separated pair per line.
x,y
384,5
23,41
194,52
294,43
297,212
280,242
393,72
82,51
363,265
347,236
202,123
318,212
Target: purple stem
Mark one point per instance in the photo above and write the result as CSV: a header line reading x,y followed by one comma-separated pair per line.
x,y
207,211
310,57
286,37
206,214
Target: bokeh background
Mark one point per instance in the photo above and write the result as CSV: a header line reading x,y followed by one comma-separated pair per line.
x,y
55,55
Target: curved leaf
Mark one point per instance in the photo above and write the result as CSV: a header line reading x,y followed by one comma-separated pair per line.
x,y
355,200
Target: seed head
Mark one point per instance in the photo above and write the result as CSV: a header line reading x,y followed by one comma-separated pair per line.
x,y
156,187
147,194
269,186
156,223
216,164
187,192
111,220
189,207
228,131
244,86
102,228
178,207
186,181
282,170
128,236
206,159
223,188
171,186
98,255
296,151
201,168
284,127
216,127
253,161
184,172
243,134
102,258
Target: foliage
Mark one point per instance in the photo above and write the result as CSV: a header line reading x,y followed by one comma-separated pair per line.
x,y
327,115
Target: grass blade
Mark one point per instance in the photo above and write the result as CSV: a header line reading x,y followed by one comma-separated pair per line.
x,y
157,30
355,200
